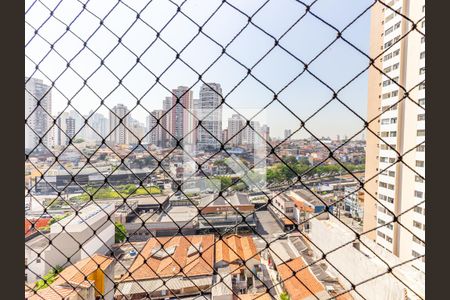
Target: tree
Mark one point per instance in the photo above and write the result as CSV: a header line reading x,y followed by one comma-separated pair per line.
x,y
48,278
284,296
121,232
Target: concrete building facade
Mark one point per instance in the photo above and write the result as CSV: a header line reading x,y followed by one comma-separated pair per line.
x,y
400,126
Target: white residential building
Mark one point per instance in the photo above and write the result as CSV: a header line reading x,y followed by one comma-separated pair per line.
x,y
235,125
209,111
401,126
72,237
120,131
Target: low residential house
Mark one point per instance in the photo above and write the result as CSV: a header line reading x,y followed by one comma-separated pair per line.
x,y
225,212
237,255
354,202
300,283
177,266
88,279
70,237
282,208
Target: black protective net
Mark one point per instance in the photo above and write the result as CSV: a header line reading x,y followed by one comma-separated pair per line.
x,y
121,222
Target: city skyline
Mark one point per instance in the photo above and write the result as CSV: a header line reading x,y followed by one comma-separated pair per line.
x,y
304,96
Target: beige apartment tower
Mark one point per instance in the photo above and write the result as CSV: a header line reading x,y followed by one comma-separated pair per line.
x,y
398,127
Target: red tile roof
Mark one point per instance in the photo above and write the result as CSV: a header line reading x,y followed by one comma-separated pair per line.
x,y
302,282
179,257
38,223
234,247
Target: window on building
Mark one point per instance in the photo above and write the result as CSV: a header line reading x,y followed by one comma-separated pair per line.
x,y
389,30
421,117
396,52
420,163
422,40
397,25
417,224
422,55
418,209
418,194
395,66
421,132
422,70
422,101
393,133
419,179
420,148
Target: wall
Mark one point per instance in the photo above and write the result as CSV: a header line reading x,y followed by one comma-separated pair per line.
x,y
362,265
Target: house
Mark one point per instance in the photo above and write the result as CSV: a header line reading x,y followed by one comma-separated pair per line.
x,y
300,283
237,255
88,279
185,263
70,237
282,208
225,212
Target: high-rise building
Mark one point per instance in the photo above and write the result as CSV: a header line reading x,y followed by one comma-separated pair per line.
x,y
70,127
136,131
61,137
209,110
265,131
118,124
98,127
38,116
402,126
251,134
224,135
287,134
182,121
155,130
235,125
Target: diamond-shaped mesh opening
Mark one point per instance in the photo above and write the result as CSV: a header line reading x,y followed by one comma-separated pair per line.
x,y
182,149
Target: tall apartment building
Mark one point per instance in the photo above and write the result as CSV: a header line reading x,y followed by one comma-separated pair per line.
x,y
251,135
182,121
209,111
136,131
155,131
287,134
402,126
120,134
38,117
100,126
70,127
235,125
265,132
61,129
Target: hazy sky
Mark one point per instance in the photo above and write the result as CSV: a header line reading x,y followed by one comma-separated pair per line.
x,y
310,36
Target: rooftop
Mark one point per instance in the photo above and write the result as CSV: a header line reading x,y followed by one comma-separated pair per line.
x,y
234,248
299,281
184,256
72,278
